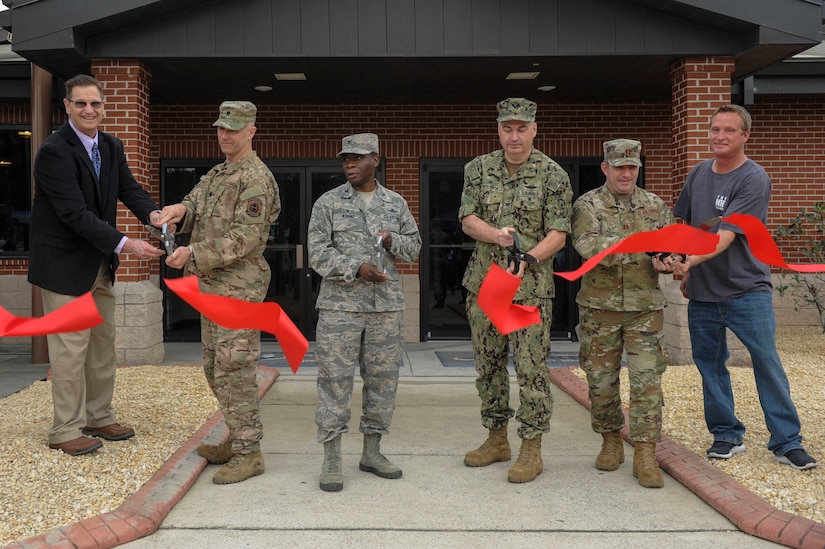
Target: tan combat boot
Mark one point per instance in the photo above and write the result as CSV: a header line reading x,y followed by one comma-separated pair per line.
x,y
529,464
373,461
240,468
612,453
219,454
332,478
646,467
495,448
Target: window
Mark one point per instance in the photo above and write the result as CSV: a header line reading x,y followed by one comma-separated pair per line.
x,y
15,190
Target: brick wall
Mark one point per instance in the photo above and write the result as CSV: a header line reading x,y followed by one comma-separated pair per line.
x,y
786,139
409,132
700,86
126,85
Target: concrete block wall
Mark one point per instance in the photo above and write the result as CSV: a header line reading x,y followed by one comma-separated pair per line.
x,y
138,319
16,298
677,336
412,303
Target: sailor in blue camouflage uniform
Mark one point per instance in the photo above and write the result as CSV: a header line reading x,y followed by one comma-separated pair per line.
x,y
516,189
360,305
621,308
229,213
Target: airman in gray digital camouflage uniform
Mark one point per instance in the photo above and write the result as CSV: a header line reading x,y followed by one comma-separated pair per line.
x,y
514,190
621,307
229,213
360,305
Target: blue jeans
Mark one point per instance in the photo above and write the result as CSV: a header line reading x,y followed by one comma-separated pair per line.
x,y
751,319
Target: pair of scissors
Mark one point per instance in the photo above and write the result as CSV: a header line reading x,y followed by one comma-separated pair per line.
x,y
516,256
167,239
704,226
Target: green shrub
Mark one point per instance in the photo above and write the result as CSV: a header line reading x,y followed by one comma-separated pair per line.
x,y
807,231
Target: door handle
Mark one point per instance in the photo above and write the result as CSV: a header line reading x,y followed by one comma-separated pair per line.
x,y
299,256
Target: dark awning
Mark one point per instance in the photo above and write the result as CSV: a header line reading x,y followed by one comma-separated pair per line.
x,y
410,50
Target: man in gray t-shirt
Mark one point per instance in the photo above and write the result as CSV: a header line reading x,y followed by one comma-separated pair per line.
x,y
729,288
708,194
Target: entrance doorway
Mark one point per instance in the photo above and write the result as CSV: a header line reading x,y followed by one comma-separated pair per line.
x,y
293,286
446,249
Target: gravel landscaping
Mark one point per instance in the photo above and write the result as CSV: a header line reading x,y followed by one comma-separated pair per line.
x,y
44,489
799,492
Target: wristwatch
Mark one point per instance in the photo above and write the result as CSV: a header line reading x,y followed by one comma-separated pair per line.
x,y
191,254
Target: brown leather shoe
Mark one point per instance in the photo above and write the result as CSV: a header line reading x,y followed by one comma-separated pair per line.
x,y
77,446
114,431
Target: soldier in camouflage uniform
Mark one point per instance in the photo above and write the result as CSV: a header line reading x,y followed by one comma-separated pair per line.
x,y
360,305
229,213
514,190
620,306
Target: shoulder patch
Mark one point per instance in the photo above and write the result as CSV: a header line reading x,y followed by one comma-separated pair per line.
x,y
254,207
472,170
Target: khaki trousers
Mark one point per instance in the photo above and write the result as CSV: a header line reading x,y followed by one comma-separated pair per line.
x,y
83,365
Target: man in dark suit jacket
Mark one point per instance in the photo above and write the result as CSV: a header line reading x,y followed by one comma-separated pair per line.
x,y
80,174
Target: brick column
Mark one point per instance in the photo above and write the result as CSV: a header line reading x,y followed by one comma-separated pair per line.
x,y
700,86
139,309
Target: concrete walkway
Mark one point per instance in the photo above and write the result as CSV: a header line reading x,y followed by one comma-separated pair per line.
x,y
438,502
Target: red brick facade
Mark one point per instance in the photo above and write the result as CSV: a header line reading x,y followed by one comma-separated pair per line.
x,y
786,139
127,116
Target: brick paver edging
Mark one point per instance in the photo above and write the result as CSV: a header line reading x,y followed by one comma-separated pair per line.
x,y
747,511
143,511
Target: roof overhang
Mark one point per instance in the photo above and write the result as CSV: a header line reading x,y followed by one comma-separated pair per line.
x,y
184,42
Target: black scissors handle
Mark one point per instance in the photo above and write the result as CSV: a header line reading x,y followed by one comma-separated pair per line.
x,y
516,256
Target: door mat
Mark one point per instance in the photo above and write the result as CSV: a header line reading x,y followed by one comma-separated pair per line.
x,y
278,360
464,359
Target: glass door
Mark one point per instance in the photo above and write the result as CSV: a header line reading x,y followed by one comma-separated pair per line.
x,y
323,176
180,321
284,248
321,179
293,285
446,250
445,253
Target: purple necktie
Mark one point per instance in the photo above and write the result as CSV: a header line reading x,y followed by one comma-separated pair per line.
x,y
96,159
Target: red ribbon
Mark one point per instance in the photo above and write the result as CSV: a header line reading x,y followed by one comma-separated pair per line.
x,y
496,300
236,314
75,316
763,247
678,238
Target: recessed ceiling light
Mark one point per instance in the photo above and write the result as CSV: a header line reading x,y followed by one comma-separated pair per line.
x,y
290,76
522,75
263,88
547,88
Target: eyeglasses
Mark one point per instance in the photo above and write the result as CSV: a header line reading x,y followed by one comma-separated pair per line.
x,y
83,104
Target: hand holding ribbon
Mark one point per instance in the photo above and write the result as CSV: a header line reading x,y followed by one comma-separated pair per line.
x,y
763,247
679,238
237,314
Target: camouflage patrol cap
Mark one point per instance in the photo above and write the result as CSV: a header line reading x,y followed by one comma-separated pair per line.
x,y
234,115
621,152
516,108
360,143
